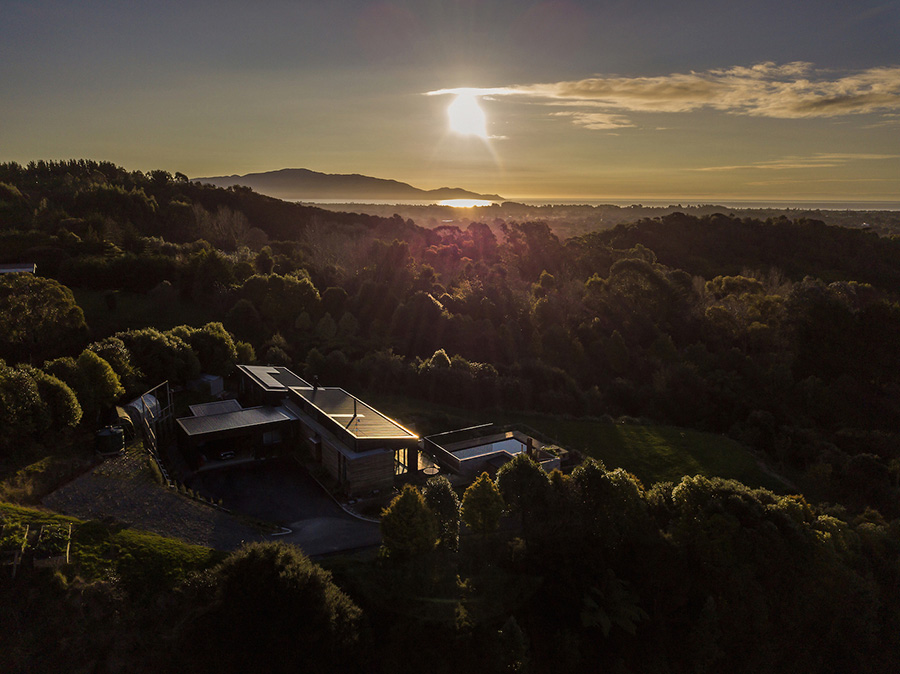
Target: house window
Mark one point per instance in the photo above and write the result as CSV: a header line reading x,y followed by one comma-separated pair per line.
x,y
342,469
271,437
401,461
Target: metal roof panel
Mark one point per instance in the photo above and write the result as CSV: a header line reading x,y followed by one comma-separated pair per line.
x,y
245,418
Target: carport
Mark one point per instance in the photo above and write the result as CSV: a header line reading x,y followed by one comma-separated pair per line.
x,y
225,431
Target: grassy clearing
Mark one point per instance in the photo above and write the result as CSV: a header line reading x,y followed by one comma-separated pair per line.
x,y
144,561
652,453
26,479
658,453
135,310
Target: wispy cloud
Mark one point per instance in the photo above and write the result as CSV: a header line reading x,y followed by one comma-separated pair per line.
x,y
888,119
788,91
818,160
841,181
596,120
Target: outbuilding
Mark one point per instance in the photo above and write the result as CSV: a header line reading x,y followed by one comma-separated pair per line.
x,y
224,431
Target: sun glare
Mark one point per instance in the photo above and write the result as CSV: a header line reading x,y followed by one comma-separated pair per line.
x,y
466,116
465,203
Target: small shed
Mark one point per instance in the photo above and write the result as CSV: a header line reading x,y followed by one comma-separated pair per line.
x,y
208,384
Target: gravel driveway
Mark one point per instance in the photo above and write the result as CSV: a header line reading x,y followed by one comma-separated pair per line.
x,y
280,492
123,489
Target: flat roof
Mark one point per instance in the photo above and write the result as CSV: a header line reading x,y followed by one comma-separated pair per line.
x,y
454,447
510,445
352,414
273,377
23,267
483,434
216,407
245,418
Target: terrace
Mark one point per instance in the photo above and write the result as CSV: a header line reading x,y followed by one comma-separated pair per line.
x,y
468,451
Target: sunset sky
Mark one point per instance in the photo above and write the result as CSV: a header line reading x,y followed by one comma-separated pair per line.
x,y
681,99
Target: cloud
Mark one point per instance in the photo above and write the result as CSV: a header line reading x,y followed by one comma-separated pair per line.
x,y
788,91
766,183
596,120
888,119
818,160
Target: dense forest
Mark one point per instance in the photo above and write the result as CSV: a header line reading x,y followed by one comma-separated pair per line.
x,y
782,334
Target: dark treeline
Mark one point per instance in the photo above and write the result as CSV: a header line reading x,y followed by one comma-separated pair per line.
x,y
782,334
588,572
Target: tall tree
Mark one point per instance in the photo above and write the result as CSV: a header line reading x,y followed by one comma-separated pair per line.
x,y
22,412
482,505
408,527
444,503
268,603
525,487
161,356
97,384
61,401
39,318
212,344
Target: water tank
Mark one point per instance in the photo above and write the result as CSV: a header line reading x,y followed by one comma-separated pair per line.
x,y
110,440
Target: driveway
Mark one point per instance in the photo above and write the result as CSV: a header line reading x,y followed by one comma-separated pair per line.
x,y
123,489
283,492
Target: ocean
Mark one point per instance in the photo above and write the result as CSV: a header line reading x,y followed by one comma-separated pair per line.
x,y
822,205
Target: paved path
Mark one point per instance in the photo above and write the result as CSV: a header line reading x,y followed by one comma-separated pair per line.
x,y
326,535
283,492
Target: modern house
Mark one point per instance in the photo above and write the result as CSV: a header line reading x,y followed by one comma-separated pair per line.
x,y
361,448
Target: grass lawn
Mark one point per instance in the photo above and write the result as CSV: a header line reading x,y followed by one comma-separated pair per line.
x,y
658,453
652,453
135,310
31,472
141,559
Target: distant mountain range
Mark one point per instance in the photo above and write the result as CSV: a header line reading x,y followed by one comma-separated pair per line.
x,y
306,185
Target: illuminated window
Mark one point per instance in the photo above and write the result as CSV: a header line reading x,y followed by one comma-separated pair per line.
x,y
401,459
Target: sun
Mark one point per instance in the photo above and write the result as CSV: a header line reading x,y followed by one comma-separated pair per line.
x,y
466,116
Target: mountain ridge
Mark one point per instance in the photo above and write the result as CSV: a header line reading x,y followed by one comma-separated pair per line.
x,y
308,185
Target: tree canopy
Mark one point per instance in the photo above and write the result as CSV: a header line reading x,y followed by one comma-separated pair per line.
x,y
408,526
39,318
482,505
267,602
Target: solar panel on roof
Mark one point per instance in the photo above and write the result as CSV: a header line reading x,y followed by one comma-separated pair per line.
x,y
265,375
271,377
